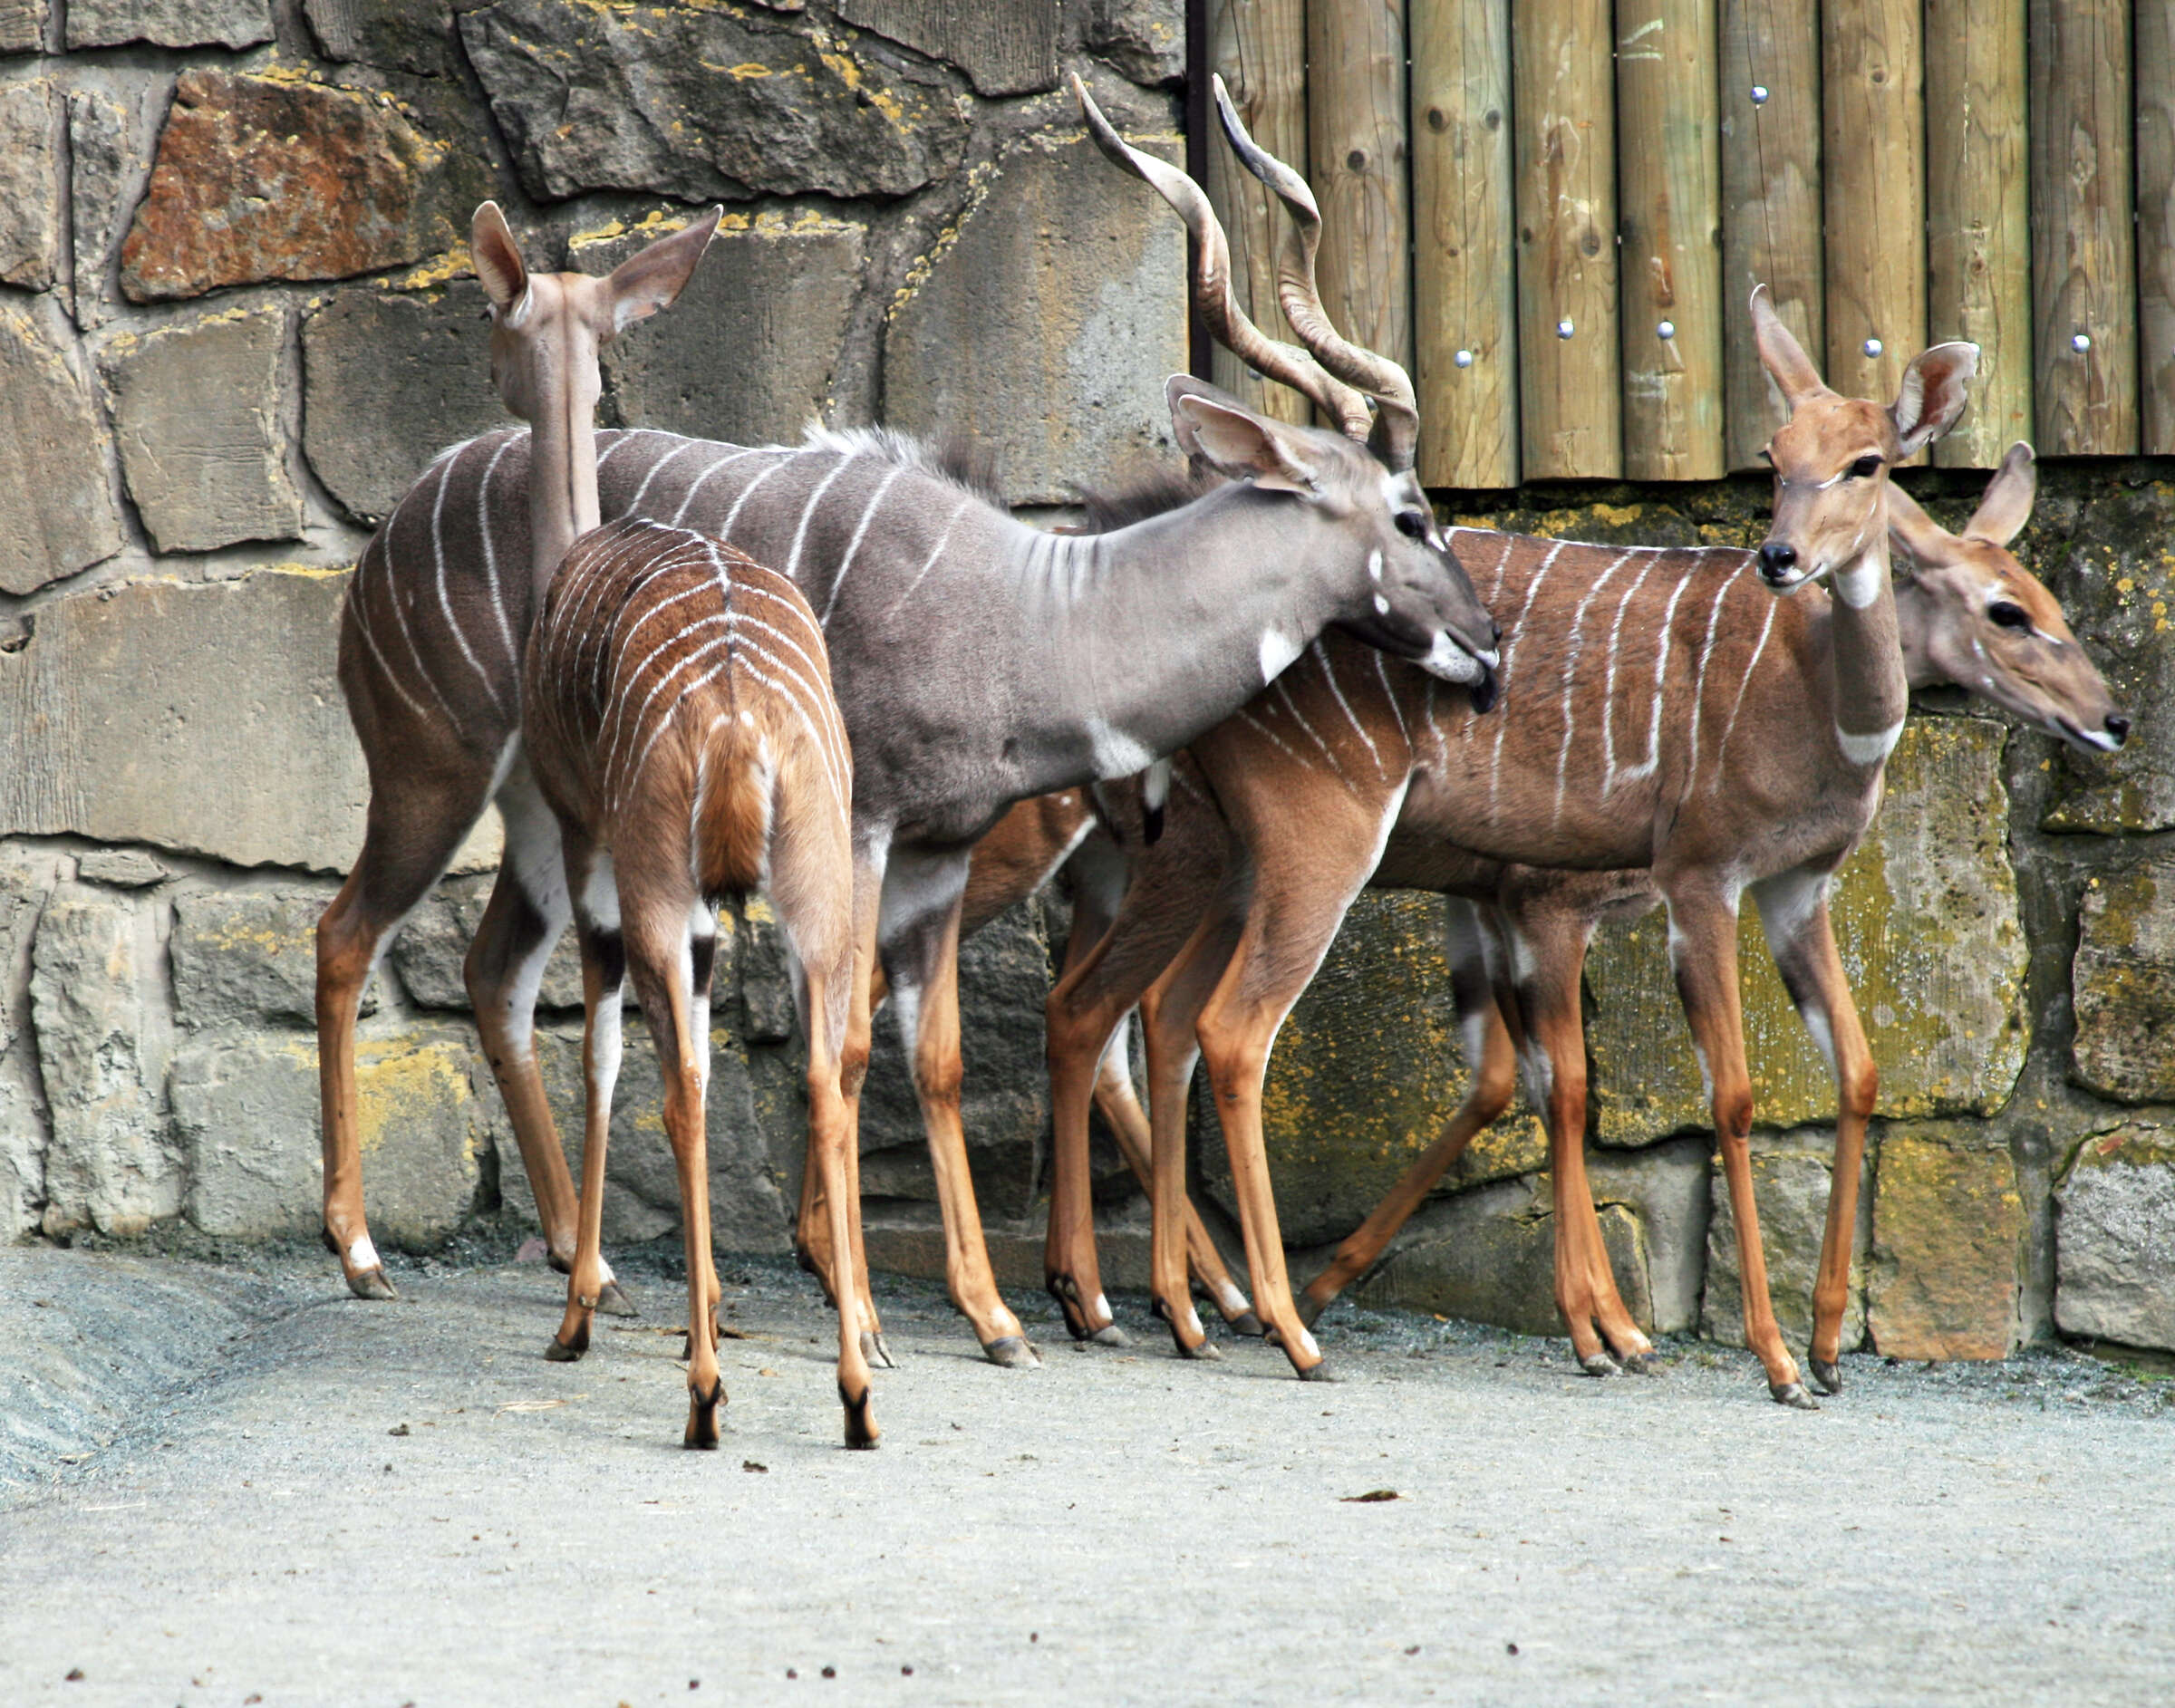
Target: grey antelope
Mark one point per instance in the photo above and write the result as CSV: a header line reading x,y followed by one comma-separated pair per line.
x,y
977,661
680,728
1970,615
1649,737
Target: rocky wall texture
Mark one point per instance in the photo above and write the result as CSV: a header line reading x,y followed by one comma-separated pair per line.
x,y
237,319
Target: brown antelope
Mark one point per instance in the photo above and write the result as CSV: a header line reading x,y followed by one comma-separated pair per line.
x,y
1675,719
976,661
681,727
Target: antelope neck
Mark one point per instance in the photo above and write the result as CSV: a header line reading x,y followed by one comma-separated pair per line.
x,y
561,481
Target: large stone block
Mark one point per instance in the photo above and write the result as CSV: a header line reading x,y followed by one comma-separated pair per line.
x,y
30,202
56,510
1003,977
1926,920
1366,1072
1145,39
749,353
1948,1228
2114,1240
169,22
388,383
701,102
396,35
2123,982
246,1113
27,877
1045,323
23,25
102,1049
748,1210
1790,1182
275,177
249,957
1006,47
200,718
107,153
197,411
428,952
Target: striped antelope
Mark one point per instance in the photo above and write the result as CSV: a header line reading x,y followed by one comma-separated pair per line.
x,y
976,661
1650,737
680,728
1970,615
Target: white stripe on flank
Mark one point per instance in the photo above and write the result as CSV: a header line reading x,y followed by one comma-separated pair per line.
x,y
1254,723
1284,692
1509,646
1396,711
491,552
1616,635
801,534
1570,673
1330,676
656,469
929,562
355,602
1744,682
696,484
854,545
445,603
747,492
1706,649
1647,767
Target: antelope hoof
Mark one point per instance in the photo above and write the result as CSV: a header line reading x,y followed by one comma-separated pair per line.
x,y
877,1353
1013,1352
560,1352
1793,1394
1827,1373
703,1418
1247,1323
1310,1308
1205,1352
861,1429
1644,1363
612,1300
1600,1364
1317,1373
371,1283
1110,1334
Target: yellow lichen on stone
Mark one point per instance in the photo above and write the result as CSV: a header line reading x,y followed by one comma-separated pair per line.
x,y
1948,1226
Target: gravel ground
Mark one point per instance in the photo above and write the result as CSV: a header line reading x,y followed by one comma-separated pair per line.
x,y
227,1485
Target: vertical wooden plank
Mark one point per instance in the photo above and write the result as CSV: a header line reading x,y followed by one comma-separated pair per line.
x,y
1872,93
1465,256
2084,292
1565,119
2155,50
1356,129
1259,46
1977,216
1770,200
1670,193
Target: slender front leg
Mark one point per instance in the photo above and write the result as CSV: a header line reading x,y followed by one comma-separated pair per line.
x,y
828,1135
1079,1029
921,958
1793,909
603,978
1703,951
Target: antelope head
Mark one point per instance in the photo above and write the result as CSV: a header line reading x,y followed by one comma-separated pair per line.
x,y
1832,458
1410,596
1976,617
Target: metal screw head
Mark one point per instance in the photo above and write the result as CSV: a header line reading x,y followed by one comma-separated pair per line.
x,y
1759,94
1668,329
2081,344
1873,346
1464,357
1564,329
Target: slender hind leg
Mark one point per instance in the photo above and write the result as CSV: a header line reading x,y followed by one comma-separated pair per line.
x,y
603,978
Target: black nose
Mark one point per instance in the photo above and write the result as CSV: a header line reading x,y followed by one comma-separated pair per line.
x,y
1775,558
1482,692
2118,727
1495,629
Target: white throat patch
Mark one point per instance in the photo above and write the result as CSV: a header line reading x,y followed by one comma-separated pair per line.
x,y
1872,749
1278,651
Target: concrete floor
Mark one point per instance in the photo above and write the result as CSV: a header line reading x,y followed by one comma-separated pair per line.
x,y
226,1487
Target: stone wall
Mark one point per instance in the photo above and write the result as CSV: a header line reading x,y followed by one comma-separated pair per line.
x,y
236,318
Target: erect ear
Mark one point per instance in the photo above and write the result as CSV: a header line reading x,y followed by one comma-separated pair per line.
x,y
1936,386
1922,536
2008,506
1240,445
642,283
497,260
1781,353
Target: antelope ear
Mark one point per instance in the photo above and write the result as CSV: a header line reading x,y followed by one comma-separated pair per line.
x,y
1921,535
1781,353
498,258
2008,506
645,282
1935,387
1240,444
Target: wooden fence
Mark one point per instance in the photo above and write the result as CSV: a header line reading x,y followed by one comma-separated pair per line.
x,y
1554,211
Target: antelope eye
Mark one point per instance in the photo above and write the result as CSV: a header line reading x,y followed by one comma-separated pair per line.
x,y
1412,524
1865,468
2009,617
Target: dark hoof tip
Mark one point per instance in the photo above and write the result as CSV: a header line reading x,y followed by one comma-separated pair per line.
x,y
613,1301
1793,1394
1317,1373
1644,1363
1111,1335
1600,1364
1828,1377
1246,1322
1310,1310
877,1353
371,1283
861,1430
1013,1353
1205,1353
560,1352
703,1419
